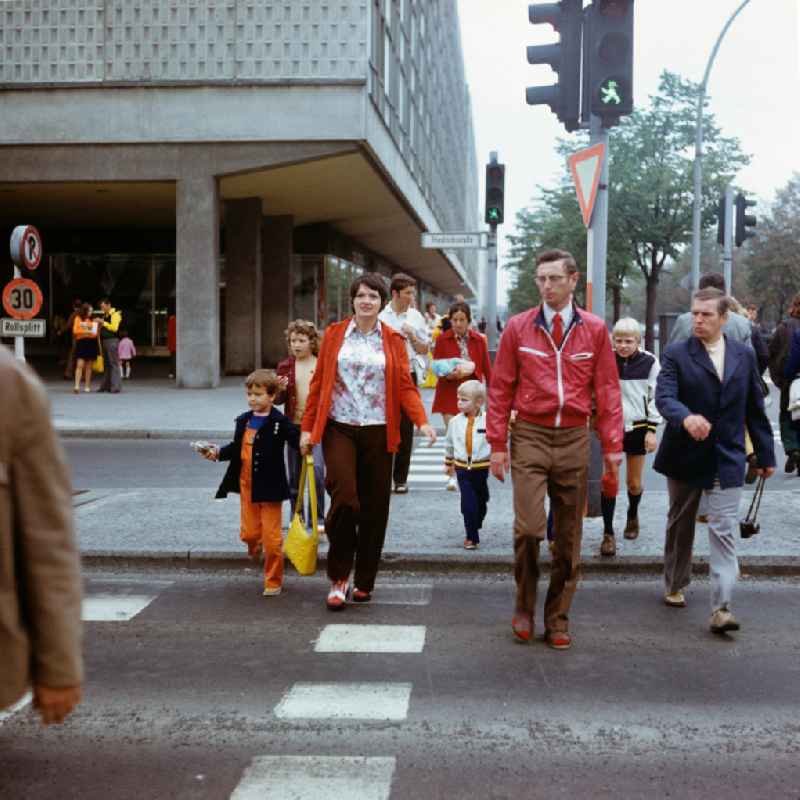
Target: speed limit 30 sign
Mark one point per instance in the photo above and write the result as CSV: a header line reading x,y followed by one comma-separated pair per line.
x,y
22,299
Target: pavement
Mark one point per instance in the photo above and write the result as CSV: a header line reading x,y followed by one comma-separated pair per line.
x,y
185,526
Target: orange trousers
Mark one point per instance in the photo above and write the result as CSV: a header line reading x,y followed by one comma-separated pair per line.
x,y
260,522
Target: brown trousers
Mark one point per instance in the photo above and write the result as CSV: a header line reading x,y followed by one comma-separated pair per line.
x,y
358,477
552,461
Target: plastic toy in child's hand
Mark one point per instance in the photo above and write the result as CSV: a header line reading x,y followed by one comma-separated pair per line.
x,y
444,367
206,449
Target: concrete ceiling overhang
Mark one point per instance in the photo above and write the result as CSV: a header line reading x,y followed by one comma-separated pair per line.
x,y
347,193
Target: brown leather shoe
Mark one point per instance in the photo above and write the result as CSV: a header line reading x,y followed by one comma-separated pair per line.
x,y
632,528
608,547
558,640
522,626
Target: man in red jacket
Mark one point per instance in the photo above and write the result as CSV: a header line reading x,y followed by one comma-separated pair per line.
x,y
553,362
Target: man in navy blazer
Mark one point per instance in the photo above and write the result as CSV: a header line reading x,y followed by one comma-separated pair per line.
x,y
707,391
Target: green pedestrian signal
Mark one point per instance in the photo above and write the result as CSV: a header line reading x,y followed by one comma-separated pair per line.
x,y
494,215
495,193
610,92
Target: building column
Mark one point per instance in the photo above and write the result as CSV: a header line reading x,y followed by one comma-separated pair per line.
x,y
276,258
197,282
243,289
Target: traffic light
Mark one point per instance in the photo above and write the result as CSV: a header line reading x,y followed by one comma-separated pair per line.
x,y
608,60
495,193
743,219
564,97
721,220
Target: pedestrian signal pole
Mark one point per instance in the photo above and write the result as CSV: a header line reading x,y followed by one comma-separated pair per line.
x,y
597,236
727,258
495,214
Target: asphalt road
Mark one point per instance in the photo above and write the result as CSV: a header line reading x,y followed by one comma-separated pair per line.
x,y
212,691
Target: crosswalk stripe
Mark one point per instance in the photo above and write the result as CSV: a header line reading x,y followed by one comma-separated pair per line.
x,y
366,701
18,706
439,477
315,777
371,639
402,594
114,608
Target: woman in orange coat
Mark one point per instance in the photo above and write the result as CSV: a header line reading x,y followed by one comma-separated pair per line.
x,y
459,341
361,382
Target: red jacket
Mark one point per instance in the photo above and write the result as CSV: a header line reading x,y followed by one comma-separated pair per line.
x,y
288,397
400,389
554,387
444,401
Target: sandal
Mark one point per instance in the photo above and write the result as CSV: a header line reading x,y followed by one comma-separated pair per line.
x,y
468,545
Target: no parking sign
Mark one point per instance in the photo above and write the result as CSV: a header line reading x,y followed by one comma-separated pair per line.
x,y
26,246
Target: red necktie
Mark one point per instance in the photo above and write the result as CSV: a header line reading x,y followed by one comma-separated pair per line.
x,y
558,330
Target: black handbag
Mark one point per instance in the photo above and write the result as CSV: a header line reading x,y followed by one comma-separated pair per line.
x,y
749,526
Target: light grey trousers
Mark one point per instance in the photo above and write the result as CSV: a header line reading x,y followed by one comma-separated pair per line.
x,y
723,522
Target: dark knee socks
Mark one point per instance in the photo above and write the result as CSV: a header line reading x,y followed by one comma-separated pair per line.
x,y
607,506
633,505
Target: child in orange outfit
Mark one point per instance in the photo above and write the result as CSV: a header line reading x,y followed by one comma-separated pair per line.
x,y
258,473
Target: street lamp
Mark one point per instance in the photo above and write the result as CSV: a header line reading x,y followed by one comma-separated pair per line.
x,y
698,154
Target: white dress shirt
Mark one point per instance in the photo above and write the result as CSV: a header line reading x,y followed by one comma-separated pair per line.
x,y
550,313
413,318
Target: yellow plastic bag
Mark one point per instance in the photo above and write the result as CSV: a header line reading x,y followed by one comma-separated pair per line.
x,y
98,365
301,544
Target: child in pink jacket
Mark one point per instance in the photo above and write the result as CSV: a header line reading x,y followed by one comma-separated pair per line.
x,y
127,352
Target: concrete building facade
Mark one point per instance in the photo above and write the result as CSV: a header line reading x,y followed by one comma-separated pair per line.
x,y
242,159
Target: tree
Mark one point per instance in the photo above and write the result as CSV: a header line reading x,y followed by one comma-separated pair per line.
x,y
650,190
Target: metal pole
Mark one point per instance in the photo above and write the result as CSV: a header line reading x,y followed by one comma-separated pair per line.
x,y
491,279
727,259
597,239
697,209
19,341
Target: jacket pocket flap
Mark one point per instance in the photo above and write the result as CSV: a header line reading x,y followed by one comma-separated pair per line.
x,y
535,352
581,356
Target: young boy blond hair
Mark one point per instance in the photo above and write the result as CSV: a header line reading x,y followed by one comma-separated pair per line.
x,y
467,457
257,472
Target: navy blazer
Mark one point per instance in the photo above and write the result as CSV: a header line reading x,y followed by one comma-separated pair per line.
x,y
268,477
689,384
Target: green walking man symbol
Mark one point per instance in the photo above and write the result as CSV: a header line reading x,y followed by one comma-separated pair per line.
x,y
609,93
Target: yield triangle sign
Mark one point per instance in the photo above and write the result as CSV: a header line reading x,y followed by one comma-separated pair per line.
x,y
585,166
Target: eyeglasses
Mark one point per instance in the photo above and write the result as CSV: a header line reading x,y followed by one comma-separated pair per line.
x,y
542,280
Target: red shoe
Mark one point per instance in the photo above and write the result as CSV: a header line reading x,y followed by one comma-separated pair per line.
x,y
522,626
558,640
337,597
360,596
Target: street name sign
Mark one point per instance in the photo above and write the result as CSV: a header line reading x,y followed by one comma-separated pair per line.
x,y
35,328
22,299
585,166
26,246
453,241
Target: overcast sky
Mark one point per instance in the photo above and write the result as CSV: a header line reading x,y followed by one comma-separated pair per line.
x,y
754,85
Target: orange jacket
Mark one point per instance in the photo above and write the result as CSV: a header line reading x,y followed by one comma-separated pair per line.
x,y
400,389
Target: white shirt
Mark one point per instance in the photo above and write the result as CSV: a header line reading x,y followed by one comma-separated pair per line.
x,y
565,314
716,352
412,317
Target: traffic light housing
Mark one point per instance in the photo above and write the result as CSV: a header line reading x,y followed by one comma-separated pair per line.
x,y
495,193
721,220
608,60
744,220
564,97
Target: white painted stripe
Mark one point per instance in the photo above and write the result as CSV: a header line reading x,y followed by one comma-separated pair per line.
x,y
316,777
369,701
439,477
421,451
428,469
18,706
114,608
371,639
403,594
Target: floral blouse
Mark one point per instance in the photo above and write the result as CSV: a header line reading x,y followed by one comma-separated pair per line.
x,y
359,393
463,342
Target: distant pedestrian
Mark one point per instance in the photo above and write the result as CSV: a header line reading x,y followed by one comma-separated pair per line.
x,y
257,473
294,376
40,581
707,389
432,318
554,363
110,322
360,386
778,356
127,352
638,371
85,350
791,373
400,314
460,342
758,337
467,458
69,339
172,344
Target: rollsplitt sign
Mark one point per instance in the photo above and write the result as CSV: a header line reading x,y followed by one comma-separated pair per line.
x,y
30,328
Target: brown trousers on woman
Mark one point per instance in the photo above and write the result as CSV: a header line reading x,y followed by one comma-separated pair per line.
x,y
358,478
552,461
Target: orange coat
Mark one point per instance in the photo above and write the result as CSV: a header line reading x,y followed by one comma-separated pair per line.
x,y
400,389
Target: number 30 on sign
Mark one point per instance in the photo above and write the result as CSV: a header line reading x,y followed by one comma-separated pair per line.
x,y
22,299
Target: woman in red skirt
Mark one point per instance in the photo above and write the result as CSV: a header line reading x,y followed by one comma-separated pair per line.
x,y
459,341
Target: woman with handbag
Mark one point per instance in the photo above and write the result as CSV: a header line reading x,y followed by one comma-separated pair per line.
x,y
361,383
84,334
791,373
